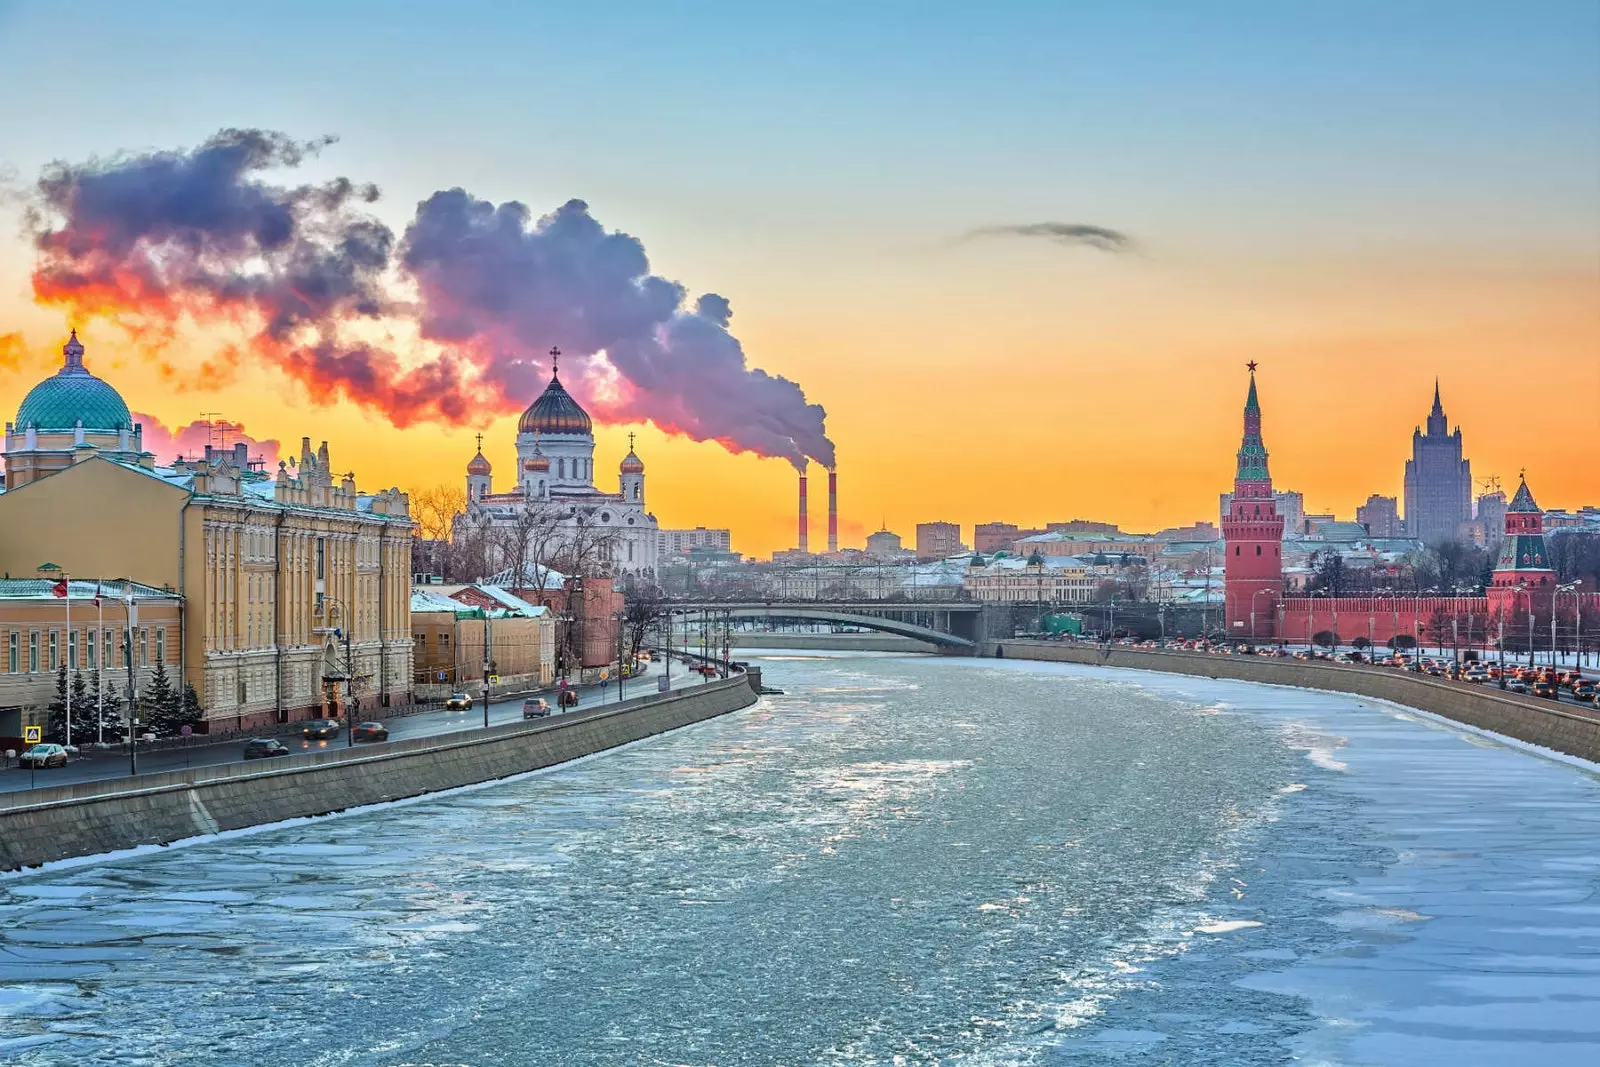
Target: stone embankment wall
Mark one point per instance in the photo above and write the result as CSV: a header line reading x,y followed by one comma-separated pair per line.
x,y
90,818
1562,728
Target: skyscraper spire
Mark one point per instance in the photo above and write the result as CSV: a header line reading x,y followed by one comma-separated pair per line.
x,y
1438,408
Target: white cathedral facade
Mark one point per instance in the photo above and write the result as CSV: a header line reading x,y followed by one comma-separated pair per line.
x,y
555,470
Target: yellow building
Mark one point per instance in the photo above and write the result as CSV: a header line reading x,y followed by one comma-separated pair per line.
x,y
41,632
273,571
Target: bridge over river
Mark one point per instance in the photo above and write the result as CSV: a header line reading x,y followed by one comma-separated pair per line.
x,y
956,627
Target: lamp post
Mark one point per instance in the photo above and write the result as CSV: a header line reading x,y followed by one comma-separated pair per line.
x,y
1258,593
488,662
1569,587
133,681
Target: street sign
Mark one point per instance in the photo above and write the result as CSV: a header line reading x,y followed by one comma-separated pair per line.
x,y
186,731
33,734
604,675
494,679
663,683
439,676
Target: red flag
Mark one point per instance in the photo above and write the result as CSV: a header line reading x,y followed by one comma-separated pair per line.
x,y
96,594
60,588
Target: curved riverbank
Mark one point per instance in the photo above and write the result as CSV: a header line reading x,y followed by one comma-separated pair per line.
x,y
1525,719
109,815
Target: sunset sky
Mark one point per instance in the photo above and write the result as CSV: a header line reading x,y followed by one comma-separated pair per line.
x,y
1359,196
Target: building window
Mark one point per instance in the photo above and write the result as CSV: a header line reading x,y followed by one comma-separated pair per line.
x,y
144,647
444,639
161,644
107,645
322,557
1258,550
33,652
11,652
55,650
89,642
72,650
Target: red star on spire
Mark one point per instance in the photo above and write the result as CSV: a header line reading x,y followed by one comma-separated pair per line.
x,y
1251,366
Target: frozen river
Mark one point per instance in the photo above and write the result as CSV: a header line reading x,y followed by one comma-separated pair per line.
x,y
902,861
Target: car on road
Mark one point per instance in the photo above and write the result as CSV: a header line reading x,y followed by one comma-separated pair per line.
x,y
369,731
264,748
569,698
535,708
458,702
1516,685
1584,691
1547,689
43,756
317,729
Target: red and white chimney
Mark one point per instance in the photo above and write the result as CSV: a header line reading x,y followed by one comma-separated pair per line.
x,y
805,525
833,511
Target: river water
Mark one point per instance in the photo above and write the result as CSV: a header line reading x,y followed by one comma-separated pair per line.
x,y
902,861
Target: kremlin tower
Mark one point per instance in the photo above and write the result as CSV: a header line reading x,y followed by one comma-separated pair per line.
x,y
1252,537
1524,568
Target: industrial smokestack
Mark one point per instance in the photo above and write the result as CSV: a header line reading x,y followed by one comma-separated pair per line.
x,y
833,511
805,526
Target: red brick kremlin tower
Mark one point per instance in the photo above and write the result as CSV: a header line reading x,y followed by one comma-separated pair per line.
x,y
1252,537
1524,578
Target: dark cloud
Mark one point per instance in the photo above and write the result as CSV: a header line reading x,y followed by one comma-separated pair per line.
x,y
153,238
1065,233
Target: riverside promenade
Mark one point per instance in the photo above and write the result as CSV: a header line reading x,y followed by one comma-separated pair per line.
x,y
94,817
1560,728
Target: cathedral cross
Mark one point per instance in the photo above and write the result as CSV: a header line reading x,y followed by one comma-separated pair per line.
x,y
555,360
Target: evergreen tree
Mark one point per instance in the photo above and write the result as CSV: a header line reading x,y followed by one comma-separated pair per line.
x,y
107,704
161,704
190,712
55,730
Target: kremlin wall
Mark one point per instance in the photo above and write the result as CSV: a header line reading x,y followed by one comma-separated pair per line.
x,y
1523,595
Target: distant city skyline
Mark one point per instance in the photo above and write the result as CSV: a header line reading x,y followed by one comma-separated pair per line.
x,y
1021,289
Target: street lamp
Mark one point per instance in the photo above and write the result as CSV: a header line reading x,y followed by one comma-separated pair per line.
x,y
1567,588
1258,593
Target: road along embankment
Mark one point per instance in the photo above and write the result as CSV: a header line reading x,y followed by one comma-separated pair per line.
x,y
90,818
1537,722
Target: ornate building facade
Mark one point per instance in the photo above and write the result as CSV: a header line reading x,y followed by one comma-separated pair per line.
x,y
1438,480
272,571
554,476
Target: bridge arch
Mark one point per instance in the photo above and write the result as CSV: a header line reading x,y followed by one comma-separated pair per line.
x,y
803,613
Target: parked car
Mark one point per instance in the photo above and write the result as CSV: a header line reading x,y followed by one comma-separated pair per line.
x,y
43,756
535,708
458,702
317,729
264,748
369,731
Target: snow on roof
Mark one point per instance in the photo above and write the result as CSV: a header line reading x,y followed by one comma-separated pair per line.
x,y
79,589
425,600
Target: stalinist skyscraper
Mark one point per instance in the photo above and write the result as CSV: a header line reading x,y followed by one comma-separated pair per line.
x,y
1438,480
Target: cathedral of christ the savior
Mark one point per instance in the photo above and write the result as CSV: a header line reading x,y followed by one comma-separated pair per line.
x,y
555,474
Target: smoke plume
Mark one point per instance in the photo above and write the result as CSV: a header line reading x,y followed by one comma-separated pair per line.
x,y
203,235
190,441
1065,233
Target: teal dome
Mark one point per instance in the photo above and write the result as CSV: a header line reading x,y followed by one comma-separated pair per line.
x,y
72,395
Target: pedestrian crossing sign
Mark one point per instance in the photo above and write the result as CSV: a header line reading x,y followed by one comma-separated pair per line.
x,y
33,734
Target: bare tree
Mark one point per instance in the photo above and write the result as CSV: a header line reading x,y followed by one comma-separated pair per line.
x,y
525,543
434,510
645,606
